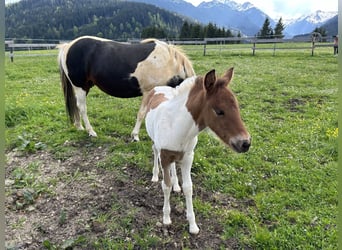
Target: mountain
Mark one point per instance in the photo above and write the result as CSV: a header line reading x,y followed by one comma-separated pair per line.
x,y
225,13
331,26
67,19
308,23
243,17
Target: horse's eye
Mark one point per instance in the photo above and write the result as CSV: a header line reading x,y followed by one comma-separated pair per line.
x,y
219,112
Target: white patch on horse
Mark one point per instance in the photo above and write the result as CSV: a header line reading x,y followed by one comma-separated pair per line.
x,y
82,107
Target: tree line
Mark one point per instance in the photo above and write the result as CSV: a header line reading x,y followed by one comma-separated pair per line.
x,y
195,30
68,19
266,31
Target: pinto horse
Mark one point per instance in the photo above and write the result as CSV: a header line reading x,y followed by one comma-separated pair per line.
x,y
118,69
175,116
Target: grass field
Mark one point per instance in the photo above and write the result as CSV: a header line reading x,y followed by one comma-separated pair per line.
x,y
282,194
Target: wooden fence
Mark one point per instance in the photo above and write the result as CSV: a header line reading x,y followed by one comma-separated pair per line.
x,y
256,44
305,43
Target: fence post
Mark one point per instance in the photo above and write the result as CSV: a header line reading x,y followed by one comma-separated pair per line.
x,y
204,49
11,54
312,47
253,48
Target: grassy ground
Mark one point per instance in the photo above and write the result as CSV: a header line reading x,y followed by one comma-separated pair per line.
x,y
280,195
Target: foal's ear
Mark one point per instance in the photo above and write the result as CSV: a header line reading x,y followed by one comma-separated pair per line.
x,y
228,76
209,80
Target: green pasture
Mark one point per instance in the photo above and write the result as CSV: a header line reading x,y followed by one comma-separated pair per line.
x,y
282,193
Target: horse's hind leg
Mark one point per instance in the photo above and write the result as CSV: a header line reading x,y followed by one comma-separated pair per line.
x,y
140,117
82,107
155,164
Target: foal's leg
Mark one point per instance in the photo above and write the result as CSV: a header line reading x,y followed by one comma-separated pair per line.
x,y
167,192
82,107
140,117
174,178
187,190
155,164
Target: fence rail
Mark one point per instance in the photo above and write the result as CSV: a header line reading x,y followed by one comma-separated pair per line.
x,y
274,44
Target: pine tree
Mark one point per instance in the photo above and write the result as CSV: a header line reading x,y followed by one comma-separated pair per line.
x,y
278,30
266,30
185,31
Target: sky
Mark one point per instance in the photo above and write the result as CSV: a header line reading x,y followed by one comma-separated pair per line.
x,y
287,8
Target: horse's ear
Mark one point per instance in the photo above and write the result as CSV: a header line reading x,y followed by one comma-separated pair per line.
x,y
229,75
209,80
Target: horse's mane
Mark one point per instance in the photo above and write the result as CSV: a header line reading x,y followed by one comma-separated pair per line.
x,y
177,52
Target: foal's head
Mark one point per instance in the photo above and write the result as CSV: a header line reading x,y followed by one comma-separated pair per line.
x,y
221,112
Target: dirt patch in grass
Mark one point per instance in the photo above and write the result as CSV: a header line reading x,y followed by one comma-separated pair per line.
x,y
295,104
72,204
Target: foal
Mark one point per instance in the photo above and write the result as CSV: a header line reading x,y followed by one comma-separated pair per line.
x,y
175,116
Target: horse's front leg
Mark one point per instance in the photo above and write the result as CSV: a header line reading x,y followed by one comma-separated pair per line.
x,y
187,190
140,117
82,107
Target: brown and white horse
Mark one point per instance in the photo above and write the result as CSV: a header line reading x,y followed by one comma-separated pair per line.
x,y
175,116
120,70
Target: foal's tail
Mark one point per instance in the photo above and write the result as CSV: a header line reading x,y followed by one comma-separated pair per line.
x,y
69,95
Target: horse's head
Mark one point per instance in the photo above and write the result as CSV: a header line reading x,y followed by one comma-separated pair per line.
x,y
221,113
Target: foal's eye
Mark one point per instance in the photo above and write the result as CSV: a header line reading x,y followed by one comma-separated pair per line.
x,y
219,112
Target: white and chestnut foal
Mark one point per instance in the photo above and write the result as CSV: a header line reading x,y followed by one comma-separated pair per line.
x,y
175,117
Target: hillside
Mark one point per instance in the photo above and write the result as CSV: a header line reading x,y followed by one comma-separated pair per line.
x,y
331,26
67,19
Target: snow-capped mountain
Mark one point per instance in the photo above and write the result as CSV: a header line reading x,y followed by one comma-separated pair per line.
x,y
306,24
241,17
224,13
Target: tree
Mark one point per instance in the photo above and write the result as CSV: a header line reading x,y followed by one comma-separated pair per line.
x,y
278,30
185,31
266,30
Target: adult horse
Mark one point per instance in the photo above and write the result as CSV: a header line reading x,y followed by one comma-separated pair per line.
x,y
118,69
175,116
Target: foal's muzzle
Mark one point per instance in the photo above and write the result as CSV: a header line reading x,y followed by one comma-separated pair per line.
x,y
241,145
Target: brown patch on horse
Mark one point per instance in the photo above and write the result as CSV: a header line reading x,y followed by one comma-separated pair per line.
x,y
166,158
220,111
196,96
154,100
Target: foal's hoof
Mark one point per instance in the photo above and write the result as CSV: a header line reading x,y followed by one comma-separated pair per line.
x,y
194,229
177,188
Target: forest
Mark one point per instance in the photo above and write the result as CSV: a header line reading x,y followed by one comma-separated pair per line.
x,y
113,19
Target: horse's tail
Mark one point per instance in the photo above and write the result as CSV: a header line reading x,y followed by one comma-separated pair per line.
x,y
68,91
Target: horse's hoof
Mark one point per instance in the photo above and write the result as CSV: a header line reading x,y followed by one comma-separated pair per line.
x,y
92,134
